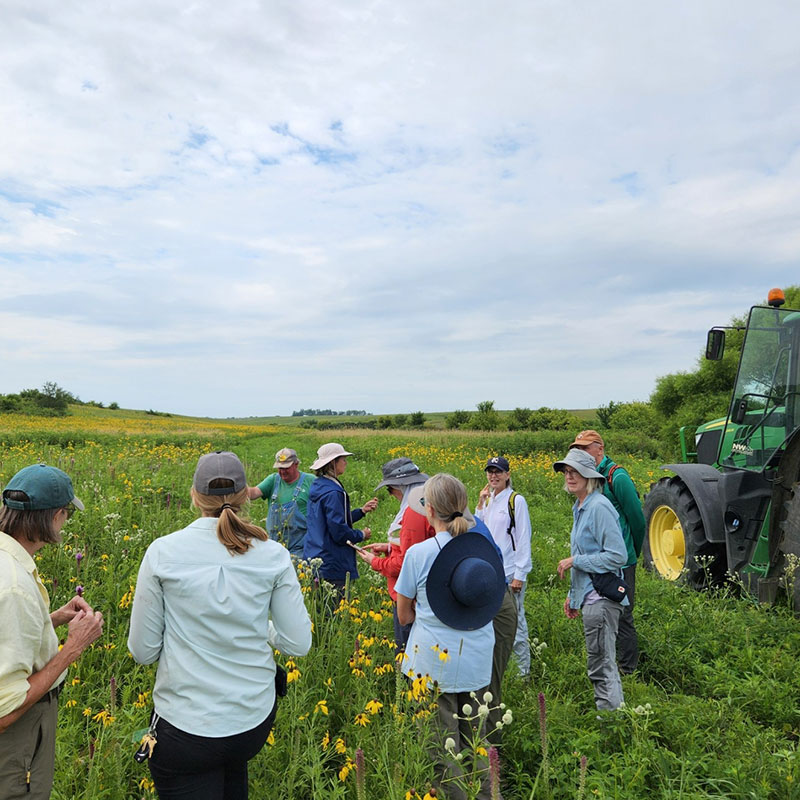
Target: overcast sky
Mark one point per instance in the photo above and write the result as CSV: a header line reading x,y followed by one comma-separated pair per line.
x,y
245,208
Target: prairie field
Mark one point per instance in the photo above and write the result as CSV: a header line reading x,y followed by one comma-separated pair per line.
x,y
712,712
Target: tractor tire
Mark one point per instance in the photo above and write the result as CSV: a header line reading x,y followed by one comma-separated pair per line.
x,y
675,544
790,544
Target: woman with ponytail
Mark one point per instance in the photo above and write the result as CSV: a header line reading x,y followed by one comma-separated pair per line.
x,y
450,587
212,602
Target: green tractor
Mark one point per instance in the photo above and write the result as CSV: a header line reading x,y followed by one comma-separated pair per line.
x,y
736,509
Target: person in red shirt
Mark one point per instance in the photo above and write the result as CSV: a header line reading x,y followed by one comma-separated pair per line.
x,y
400,475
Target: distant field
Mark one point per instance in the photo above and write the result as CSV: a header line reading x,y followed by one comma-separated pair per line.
x,y
433,419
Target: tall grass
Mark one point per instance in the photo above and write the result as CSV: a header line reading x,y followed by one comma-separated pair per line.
x,y
713,712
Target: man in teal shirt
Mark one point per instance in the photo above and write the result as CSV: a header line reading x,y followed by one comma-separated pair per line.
x,y
286,492
619,489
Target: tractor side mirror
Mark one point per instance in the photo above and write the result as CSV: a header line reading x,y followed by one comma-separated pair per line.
x,y
715,344
738,411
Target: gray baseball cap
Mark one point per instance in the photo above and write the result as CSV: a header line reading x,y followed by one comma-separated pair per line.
x,y
219,465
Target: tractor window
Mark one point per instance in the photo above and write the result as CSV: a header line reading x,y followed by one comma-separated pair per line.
x,y
766,394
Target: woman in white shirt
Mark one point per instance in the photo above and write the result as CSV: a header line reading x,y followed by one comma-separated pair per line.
x,y
212,601
513,537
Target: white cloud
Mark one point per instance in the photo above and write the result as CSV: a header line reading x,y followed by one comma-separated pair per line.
x,y
322,193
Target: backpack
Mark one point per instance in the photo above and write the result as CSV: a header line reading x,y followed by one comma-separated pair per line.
x,y
512,517
614,468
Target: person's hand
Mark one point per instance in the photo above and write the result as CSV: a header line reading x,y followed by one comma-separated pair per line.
x,y
370,505
84,628
367,533
483,497
366,556
68,611
571,613
378,547
563,566
516,586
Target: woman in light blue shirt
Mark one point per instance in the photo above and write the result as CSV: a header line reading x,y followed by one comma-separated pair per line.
x,y
450,587
212,601
596,546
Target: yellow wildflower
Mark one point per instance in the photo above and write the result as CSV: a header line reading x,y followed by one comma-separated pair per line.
x,y
322,707
326,740
87,712
271,738
71,703
340,746
362,719
374,706
105,717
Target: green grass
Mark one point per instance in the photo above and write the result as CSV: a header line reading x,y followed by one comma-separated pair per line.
x,y
719,673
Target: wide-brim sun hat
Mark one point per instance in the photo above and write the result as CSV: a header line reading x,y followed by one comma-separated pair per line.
x,y
327,453
401,472
416,502
581,462
221,464
466,582
46,487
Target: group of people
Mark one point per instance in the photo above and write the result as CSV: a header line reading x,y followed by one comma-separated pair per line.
x,y
215,599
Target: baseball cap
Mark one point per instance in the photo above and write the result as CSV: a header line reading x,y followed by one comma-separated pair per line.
x,y
221,464
587,437
46,487
285,458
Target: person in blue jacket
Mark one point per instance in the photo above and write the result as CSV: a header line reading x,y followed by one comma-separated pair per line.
x,y
330,519
596,546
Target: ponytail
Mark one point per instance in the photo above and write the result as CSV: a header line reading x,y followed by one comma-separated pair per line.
x,y
235,533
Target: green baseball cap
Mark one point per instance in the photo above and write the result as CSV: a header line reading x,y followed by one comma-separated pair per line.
x,y
46,487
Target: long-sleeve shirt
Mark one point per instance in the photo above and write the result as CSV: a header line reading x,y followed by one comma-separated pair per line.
x,y
515,545
211,620
414,528
623,496
330,527
596,545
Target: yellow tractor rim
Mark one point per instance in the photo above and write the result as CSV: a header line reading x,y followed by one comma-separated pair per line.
x,y
667,544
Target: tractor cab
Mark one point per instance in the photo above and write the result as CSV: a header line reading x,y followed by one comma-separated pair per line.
x,y
729,511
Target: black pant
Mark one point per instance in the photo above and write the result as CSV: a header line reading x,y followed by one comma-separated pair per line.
x,y
203,768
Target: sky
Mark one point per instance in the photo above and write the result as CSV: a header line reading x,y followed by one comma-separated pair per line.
x,y
246,208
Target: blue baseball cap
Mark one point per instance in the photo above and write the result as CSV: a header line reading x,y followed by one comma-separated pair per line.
x,y
46,487
497,462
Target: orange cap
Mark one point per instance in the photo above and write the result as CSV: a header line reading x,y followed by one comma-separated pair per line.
x,y
587,437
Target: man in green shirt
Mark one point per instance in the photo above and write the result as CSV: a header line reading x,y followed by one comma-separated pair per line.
x,y
286,492
619,489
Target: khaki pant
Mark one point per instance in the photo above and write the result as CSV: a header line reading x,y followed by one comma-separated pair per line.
x,y
28,752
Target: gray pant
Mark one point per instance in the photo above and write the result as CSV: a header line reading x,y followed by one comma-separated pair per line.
x,y
627,638
600,623
29,746
522,647
449,773
505,628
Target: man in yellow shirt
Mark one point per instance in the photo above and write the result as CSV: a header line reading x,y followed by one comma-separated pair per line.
x,y
37,502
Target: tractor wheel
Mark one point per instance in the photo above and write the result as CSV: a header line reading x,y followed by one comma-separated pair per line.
x,y
675,544
790,542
